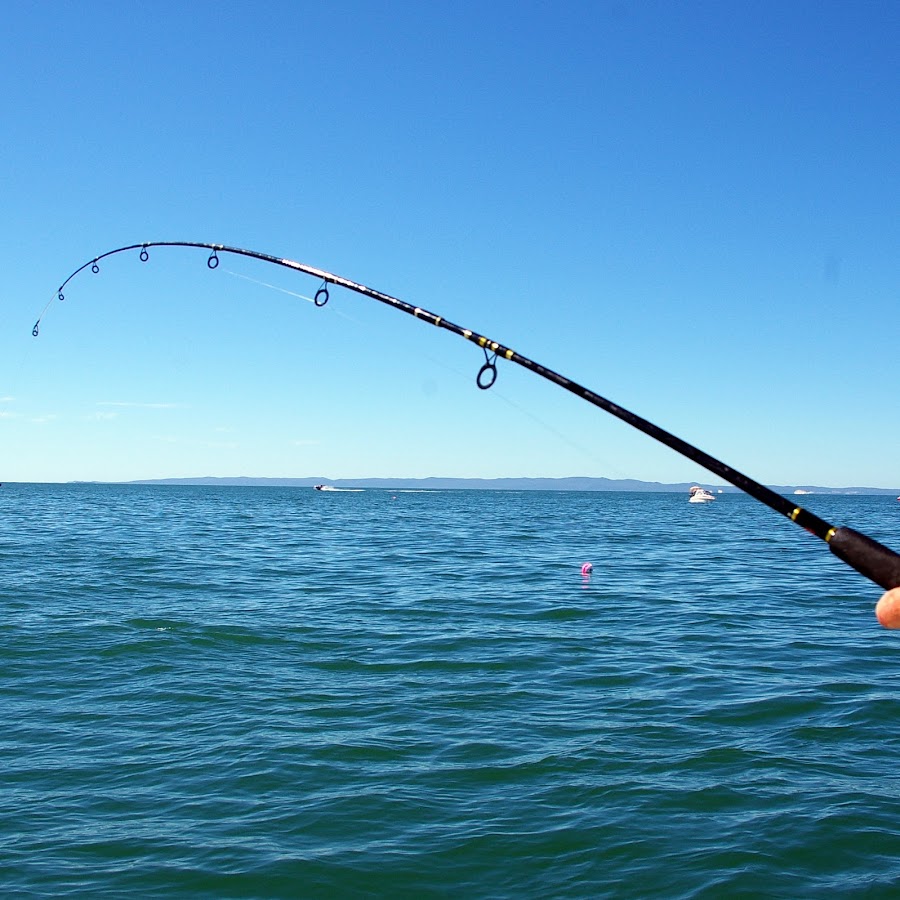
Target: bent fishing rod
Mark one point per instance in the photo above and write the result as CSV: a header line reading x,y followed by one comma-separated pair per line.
x,y
870,558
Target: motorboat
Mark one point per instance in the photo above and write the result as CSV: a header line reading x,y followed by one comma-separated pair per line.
x,y
700,495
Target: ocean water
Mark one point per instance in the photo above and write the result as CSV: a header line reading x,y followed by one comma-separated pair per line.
x,y
264,692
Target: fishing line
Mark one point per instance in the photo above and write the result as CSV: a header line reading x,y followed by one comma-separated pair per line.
x,y
57,295
273,287
559,435
282,290
870,558
499,394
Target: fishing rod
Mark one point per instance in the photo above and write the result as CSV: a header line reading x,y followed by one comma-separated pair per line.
x,y
870,558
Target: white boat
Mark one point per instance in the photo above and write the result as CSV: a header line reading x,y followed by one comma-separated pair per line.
x,y
699,495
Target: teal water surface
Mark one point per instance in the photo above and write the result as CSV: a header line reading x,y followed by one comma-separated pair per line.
x,y
265,692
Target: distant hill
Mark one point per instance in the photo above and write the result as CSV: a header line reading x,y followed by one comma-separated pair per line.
x,y
504,484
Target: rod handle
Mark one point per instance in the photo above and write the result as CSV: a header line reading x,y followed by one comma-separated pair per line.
x,y
877,562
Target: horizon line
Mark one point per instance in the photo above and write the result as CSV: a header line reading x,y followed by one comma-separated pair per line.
x,y
567,482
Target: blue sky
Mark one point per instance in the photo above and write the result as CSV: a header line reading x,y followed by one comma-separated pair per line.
x,y
691,208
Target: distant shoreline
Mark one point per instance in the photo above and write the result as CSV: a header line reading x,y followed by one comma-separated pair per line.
x,y
501,484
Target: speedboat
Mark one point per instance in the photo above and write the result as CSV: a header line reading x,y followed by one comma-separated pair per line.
x,y
699,495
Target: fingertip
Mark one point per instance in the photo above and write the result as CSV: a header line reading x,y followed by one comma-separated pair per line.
x,y
887,610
